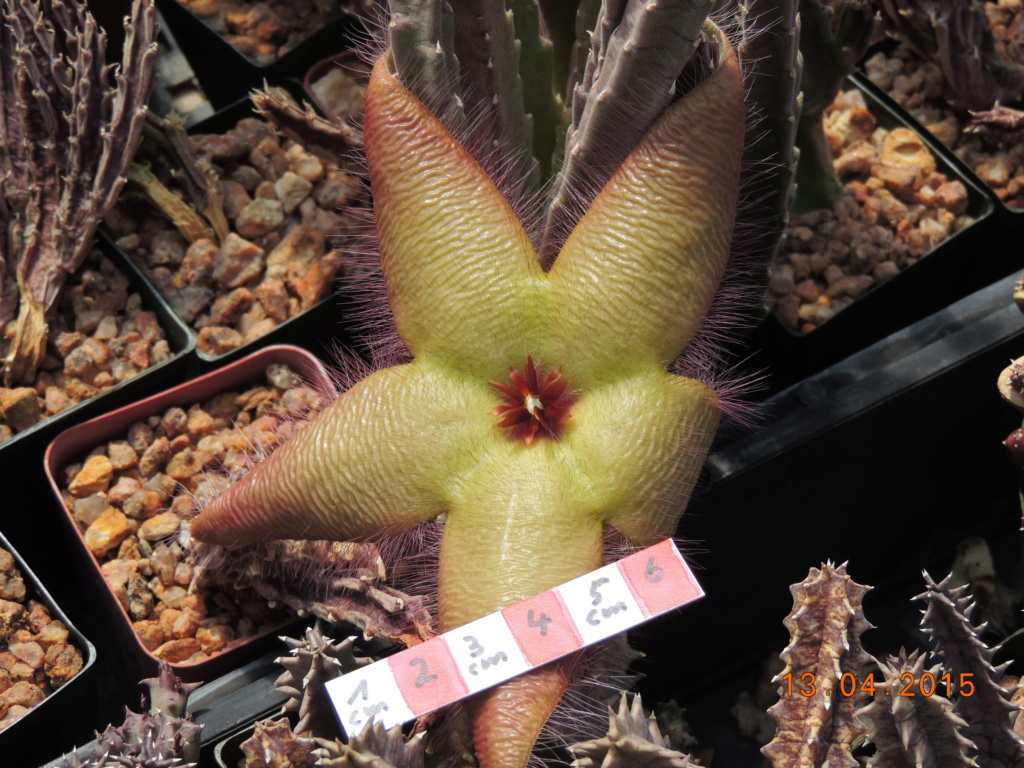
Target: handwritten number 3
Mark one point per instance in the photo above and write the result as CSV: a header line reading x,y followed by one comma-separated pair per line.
x,y
423,678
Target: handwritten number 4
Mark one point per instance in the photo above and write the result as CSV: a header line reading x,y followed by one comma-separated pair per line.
x,y
542,622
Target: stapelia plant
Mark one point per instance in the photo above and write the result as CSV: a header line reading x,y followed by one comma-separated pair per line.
x,y
601,432
66,138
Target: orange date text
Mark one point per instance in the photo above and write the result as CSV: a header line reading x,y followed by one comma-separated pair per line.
x,y
848,684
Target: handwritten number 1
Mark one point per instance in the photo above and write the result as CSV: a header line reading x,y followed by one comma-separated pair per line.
x,y
423,678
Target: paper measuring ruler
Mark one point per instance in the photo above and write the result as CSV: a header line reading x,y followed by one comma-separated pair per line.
x,y
516,639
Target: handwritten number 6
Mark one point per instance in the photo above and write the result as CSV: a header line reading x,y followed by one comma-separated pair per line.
x,y
653,574
423,678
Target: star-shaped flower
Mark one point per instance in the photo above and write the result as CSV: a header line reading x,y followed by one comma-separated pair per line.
x,y
604,436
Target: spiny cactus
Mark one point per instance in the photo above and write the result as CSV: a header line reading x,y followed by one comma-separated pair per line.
x,y
825,626
956,34
162,737
964,717
987,710
315,660
67,139
375,747
920,731
633,740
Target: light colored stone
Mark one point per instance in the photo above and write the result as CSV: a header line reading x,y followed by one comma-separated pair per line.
x,y
159,527
107,531
94,478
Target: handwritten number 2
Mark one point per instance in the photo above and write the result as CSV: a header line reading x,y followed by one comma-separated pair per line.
x,y
423,678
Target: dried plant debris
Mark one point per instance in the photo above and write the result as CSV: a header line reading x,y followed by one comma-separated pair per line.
x,y
987,710
993,600
987,140
282,211
264,31
313,661
633,740
130,495
98,337
327,139
897,208
68,137
275,745
825,626
162,737
913,731
35,655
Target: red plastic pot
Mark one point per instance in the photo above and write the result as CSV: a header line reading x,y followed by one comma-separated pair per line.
x,y
73,444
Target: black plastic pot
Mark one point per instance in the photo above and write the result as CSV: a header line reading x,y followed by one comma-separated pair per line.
x,y
962,264
226,75
887,460
296,330
71,445
179,338
35,731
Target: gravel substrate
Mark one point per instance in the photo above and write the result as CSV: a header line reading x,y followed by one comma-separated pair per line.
x,y
918,87
266,30
35,656
99,337
898,207
284,208
129,498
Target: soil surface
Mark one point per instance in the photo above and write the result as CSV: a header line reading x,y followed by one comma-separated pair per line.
x,y
264,31
897,208
35,656
130,496
920,88
99,337
286,211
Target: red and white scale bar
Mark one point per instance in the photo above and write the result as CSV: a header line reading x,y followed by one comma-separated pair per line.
x,y
512,641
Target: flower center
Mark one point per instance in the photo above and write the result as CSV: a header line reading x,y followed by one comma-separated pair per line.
x,y
534,404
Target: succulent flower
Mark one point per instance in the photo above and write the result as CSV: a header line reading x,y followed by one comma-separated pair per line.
x,y
470,295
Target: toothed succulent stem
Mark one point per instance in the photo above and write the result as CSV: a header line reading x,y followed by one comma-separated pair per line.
x,y
68,138
638,51
920,731
825,626
987,710
769,46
